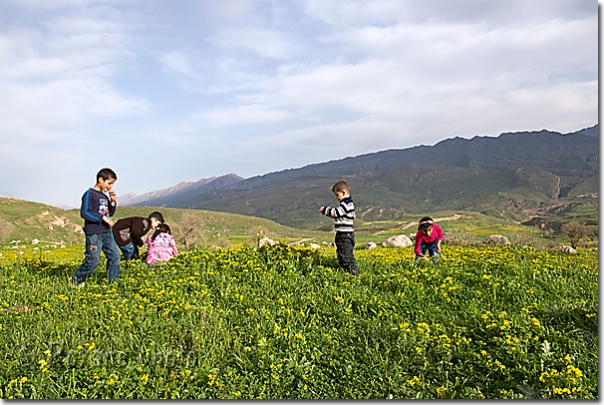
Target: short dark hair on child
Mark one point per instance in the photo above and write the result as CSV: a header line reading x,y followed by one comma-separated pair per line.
x,y
425,222
157,215
341,186
106,174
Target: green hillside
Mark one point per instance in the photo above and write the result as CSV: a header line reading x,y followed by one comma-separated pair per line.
x,y
26,221
514,176
587,186
408,189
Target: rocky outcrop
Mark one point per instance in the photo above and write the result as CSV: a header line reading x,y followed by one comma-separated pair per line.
x,y
496,240
567,249
398,241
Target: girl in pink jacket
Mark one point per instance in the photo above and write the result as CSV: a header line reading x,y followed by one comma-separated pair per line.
x,y
428,238
161,245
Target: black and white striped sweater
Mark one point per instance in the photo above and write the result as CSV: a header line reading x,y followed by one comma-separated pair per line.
x,y
343,215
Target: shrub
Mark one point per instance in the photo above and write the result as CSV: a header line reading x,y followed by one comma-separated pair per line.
x,y
6,228
575,231
188,231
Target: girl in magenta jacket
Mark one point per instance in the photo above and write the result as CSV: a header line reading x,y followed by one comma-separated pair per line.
x,y
428,238
161,245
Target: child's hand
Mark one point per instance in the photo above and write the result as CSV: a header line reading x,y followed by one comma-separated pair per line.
x,y
321,209
113,196
108,220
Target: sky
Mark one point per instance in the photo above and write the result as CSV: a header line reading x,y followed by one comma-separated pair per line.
x,y
166,91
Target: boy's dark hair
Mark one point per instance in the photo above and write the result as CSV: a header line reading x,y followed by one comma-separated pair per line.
x,y
163,228
157,215
106,174
425,222
341,186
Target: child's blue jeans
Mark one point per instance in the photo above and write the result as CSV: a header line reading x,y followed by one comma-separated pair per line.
x,y
94,244
430,248
130,251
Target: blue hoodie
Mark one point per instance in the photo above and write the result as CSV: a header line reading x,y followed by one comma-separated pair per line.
x,y
96,205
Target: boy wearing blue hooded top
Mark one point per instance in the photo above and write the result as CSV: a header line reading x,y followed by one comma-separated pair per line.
x,y
98,206
343,216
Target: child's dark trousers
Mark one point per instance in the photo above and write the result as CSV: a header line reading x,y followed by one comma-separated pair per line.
x,y
345,242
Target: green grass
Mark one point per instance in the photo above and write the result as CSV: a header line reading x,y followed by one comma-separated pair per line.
x,y
286,322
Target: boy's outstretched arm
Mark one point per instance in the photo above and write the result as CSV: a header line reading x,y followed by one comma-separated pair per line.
x,y
342,210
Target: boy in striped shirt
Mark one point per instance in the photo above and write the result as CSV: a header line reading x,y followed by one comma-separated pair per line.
x,y
343,216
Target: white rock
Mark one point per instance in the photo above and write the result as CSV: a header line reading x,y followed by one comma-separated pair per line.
x,y
496,240
315,246
567,249
35,242
398,241
266,240
370,245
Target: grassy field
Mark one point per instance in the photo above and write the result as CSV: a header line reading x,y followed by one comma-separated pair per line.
x,y
463,226
22,222
286,322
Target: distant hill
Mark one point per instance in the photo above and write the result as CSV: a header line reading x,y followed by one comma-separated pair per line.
x,y
591,131
172,195
501,176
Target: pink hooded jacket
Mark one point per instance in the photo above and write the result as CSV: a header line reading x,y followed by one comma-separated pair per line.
x,y
162,249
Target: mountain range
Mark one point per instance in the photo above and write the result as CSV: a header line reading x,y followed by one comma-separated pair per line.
x,y
171,195
506,176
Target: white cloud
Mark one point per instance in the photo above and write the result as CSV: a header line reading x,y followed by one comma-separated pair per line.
x,y
264,43
179,63
351,13
343,14
59,4
244,114
231,10
350,137
58,76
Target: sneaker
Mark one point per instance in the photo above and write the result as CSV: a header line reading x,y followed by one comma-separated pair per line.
x,y
352,272
76,285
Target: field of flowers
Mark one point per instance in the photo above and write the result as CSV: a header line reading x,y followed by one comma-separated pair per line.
x,y
284,322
